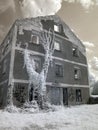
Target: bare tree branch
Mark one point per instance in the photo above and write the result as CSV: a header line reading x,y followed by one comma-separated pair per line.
x,y
39,79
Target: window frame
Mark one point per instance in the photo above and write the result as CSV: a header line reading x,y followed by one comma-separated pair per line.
x,y
60,73
57,28
75,51
77,75
78,96
33,42
58,43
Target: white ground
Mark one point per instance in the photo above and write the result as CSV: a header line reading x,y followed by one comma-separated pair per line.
x,y
83,117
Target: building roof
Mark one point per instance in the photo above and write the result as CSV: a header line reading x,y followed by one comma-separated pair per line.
x,y
68,32
36,23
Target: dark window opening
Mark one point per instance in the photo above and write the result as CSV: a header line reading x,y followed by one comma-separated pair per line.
x,y
78,95
59,70
33,95
75,52
65,96
77,73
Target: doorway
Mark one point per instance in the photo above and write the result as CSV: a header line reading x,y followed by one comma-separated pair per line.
x,y
33,95
65,96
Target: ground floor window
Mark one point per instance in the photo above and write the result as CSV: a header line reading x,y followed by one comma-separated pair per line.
x,y
78,95
20,93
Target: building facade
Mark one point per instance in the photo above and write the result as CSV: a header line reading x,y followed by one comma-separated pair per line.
x,y
67,80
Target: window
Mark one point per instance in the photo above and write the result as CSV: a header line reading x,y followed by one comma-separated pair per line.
x,y
59,70
57,46
57,28
35,39
19,92
77,73
37,65
78,95
4,66
75,51
21,30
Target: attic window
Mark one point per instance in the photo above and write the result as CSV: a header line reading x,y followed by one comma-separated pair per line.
x,y
21,30
57,46
57,28
75,51
34,39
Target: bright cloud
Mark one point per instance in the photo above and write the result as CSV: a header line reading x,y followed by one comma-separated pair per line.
x,y
94,63
31,8
23,9
85,3
88,44
34,8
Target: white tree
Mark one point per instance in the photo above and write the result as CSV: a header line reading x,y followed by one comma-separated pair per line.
x,y
39,79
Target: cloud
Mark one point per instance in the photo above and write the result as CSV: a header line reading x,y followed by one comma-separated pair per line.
x,y
85,3
31,8
89,48
34,8
94,63
6,4
14,9
88,44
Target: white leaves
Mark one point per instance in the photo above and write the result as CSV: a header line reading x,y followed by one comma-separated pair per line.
x,y
88,44
30,66
39,79
47,40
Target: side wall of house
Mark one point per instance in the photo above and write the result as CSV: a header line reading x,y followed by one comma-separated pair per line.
x,y
5,54
64,57
76,90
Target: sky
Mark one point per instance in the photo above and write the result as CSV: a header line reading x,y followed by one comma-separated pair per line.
x,y
80,15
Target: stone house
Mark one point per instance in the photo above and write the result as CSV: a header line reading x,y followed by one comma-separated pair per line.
x,y
67,80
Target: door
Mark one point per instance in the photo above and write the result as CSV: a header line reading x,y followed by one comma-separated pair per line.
x,y
65,96
33,95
